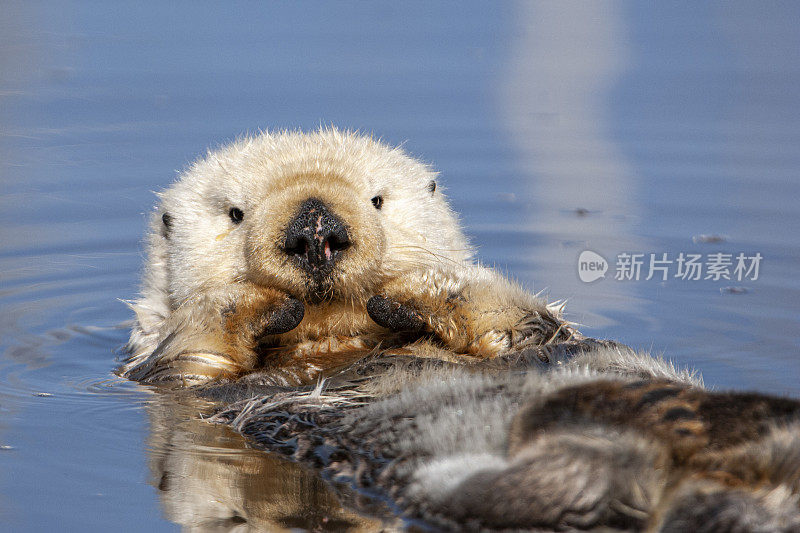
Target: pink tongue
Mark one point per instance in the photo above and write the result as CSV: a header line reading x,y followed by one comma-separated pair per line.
x,y
327,250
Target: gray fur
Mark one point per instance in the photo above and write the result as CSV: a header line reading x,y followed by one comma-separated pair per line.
x,y
450,393
433,438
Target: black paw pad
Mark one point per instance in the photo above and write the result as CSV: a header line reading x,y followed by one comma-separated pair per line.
x,y
286,317
393,315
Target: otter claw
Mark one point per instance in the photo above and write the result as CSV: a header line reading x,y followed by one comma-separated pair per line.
x,y
537,329
285,317
393,315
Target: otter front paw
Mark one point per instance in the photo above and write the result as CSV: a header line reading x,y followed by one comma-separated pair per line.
x,y
394,315
215,338
285,317
258,315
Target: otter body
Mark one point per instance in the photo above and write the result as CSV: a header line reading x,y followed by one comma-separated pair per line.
x,y
601,438
283,257
466,402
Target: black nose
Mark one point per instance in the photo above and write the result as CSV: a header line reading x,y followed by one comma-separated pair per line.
x,y
316,238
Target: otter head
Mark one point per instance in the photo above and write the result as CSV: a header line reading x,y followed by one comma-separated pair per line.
x,y
322,216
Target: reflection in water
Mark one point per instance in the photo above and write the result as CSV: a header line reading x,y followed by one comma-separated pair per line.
x,y
565,60
666,121
98,106
210,480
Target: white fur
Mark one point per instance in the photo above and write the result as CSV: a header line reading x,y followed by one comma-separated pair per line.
x,y
206,252
411,248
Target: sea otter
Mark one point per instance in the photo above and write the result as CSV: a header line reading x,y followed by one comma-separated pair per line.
x,y
450,394
284,256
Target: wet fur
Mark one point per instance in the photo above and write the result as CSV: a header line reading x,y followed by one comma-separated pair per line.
x,y
215,288
420,378
599,436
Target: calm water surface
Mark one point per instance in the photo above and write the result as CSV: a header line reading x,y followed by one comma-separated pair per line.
x,y
557,127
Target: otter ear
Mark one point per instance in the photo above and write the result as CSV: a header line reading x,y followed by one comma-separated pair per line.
x,y
432,186
166,218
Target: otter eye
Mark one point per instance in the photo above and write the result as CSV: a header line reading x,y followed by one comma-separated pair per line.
x,y
377,202
166,218
236,214
432,187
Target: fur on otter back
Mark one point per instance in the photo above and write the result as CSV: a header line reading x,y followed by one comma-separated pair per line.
x,y
575,436
319,289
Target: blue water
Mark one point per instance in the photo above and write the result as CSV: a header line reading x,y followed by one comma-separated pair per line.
x,y
557,127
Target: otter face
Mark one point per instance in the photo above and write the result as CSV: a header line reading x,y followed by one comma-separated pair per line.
x,y
322,216
315,235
